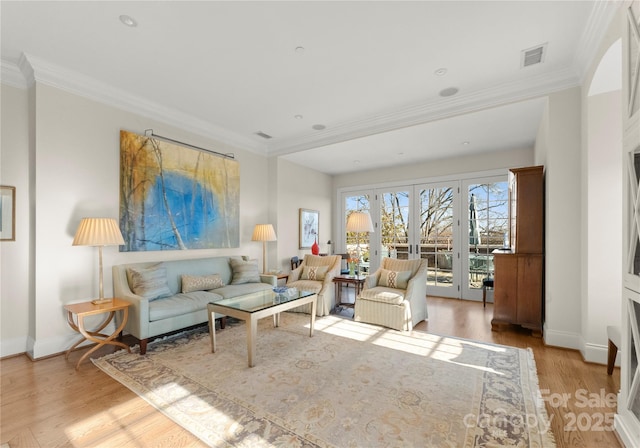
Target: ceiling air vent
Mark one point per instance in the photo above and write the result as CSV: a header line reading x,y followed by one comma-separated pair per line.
x,y
263,135
533,55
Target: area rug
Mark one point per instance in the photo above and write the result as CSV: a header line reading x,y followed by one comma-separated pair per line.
x,y
350,385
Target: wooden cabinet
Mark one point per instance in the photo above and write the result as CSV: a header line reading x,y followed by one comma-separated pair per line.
x,y
526,208
518,278
518,291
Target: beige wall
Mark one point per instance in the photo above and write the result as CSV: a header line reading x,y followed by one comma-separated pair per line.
x,y
15,292
301,187
438,168
74,172
562,212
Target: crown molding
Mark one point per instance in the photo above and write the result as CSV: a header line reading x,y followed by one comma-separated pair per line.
x,y
602,14
35,69
11,75
421,113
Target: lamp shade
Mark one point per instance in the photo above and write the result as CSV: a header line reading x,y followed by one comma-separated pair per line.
x,y
98,232
359,222
263,232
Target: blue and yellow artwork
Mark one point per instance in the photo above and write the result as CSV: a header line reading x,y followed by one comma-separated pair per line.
x,y
176,198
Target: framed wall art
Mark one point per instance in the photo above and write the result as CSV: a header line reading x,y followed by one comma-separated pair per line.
x,y
7,213
309,223
174,197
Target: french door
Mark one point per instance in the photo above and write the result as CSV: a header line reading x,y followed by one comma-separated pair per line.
x,y
437,236
454,225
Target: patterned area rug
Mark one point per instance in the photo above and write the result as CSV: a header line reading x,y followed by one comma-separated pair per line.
x,y
351,384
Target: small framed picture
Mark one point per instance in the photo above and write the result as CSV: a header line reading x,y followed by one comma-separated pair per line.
x,y
309,223
7,213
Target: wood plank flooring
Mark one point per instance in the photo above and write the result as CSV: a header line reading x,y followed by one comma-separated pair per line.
x,y
49,404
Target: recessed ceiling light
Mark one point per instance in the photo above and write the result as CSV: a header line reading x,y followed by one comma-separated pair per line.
x,y
466,143
319,127
356,162
440,72
298,117
299,50
449,91
400,154
128,21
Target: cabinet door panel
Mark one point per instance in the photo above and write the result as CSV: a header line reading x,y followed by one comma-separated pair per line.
x,y
530,291
505,293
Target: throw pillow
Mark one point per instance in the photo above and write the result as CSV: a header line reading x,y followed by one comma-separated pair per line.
x,y
314,272
394,279
244,271
150,283
192,283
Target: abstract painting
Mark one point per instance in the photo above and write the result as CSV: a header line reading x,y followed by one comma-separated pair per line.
x,y
173,197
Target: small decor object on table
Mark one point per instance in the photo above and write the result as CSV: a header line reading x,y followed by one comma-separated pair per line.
x,y
353,265
315,249
84,309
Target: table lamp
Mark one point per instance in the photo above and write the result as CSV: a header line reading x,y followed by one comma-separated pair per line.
x,y
98,232
264,233
358,222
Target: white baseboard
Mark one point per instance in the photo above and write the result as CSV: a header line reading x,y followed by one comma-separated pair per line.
x,y
54,345
13,346
598,353
626,435
562,339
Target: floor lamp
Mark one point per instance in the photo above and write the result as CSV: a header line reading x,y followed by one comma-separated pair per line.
x,y
264,233
98,232
359,222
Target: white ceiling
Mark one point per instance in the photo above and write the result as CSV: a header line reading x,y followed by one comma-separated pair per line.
x,y
367,72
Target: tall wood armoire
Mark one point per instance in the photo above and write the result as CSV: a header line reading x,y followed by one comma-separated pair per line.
x,y
518,277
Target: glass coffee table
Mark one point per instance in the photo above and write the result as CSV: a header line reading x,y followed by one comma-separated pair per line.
x,y
255,306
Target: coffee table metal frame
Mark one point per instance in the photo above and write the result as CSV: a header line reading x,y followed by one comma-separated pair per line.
x,y
251,314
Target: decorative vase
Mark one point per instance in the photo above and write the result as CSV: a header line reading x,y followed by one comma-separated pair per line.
x,y
352,268
315,249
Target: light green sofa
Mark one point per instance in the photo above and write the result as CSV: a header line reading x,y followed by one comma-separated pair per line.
x,y
151,318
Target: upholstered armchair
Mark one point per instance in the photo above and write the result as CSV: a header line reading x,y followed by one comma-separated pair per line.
x,y
316,273
395,296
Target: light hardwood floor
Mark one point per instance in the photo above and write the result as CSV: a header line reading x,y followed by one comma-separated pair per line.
x,y
49,404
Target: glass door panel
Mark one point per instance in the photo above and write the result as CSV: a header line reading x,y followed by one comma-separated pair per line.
x,y
438,237
357,244
486,224
394,224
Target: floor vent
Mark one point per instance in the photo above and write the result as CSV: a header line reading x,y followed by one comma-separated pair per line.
x,y
533,55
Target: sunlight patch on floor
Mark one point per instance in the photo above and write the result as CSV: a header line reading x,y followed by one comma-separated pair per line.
x,y
345,328
437,347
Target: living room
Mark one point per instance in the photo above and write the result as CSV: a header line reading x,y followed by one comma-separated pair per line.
x,y
60,149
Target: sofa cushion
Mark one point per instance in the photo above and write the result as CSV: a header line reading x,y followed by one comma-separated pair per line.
x,y
149,282
244,271
394,279
192,283
180,304
383,294
314,272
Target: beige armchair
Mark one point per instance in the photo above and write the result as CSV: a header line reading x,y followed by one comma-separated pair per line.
x,y
316,273
395,296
